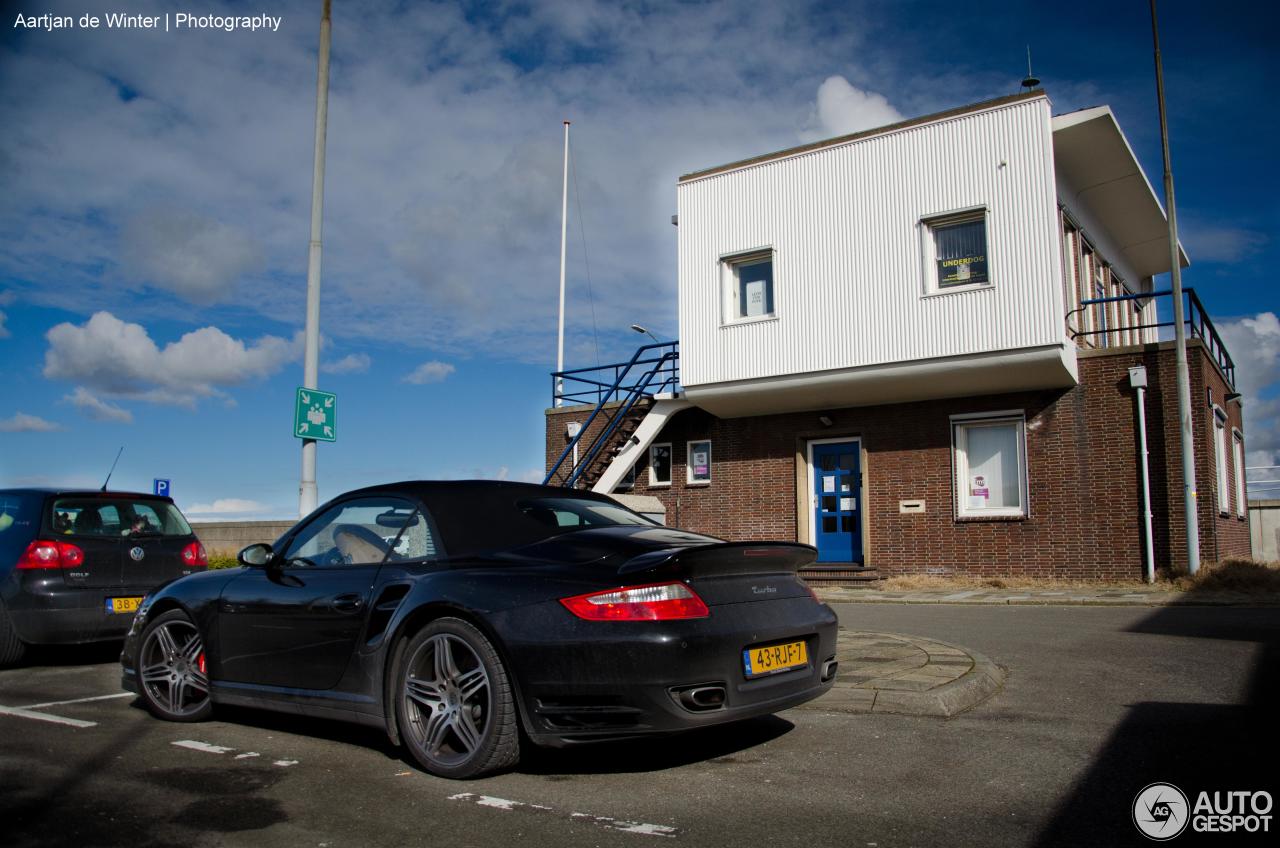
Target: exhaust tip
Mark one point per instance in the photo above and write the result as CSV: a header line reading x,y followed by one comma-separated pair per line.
x,y
829,669
702,698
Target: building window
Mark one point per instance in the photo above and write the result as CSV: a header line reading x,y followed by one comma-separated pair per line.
x,y
660,465
1220,457
956,249
990,466
748,285
699,467
1242,506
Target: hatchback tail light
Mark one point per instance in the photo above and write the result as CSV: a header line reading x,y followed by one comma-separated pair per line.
x,y
194,555
658,602
44,553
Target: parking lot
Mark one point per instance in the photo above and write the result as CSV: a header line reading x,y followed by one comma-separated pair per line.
x,y
1097,704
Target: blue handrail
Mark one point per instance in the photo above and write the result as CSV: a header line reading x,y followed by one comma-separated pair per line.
x,y
1194,316
663,369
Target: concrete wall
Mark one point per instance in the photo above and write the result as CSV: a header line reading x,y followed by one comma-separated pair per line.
x,y
228,537
1264,530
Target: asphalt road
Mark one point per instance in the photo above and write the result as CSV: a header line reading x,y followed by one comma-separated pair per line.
x,y
1099,703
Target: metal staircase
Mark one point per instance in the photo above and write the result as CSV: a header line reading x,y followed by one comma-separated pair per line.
x,y
623,395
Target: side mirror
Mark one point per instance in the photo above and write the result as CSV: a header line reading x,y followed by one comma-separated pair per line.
x,y
259,555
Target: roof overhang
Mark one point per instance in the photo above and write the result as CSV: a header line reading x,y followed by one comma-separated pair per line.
x,y
971,375
1095,163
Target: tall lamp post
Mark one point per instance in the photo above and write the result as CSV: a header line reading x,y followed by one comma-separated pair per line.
x,y
307,489
1190,512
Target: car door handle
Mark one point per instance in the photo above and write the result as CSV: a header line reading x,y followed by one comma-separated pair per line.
x,y
347,603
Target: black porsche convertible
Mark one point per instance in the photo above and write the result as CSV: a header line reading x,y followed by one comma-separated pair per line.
x,y
465,617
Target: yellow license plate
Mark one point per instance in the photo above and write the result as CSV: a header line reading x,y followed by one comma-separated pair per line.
x,y
772,659
123,604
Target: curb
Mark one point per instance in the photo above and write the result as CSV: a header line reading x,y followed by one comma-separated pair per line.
x,y
830,598
982,680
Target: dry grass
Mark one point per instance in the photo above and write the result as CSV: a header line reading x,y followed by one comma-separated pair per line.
x,y
1232,575
927,582
1236,575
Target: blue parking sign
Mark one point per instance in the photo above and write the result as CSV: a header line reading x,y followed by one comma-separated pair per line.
x,y
161,487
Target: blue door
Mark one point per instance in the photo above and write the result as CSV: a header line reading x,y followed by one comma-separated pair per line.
x,y
837,492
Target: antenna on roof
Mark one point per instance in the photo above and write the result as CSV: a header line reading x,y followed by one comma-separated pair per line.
x,y
1032,80
113,469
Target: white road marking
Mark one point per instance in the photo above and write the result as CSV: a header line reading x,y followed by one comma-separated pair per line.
x,y
285,763
21,712
603,821
247,754
81,700
202,746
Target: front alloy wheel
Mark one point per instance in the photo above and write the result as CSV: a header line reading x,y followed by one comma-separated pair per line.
x,y
171,669
455,707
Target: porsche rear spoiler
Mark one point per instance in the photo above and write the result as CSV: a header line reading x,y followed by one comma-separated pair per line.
x,y
724,560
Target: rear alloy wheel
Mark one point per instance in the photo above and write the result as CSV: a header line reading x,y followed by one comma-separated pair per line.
x,y
171,669
454,704
12,649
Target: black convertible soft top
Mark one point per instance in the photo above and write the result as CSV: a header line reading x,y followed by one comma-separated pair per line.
x,y
484,516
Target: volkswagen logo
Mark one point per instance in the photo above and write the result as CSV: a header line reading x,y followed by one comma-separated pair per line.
x,y
136,554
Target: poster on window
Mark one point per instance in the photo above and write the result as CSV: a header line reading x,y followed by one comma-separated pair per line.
x,y
699,462
979,492
754,292
962,253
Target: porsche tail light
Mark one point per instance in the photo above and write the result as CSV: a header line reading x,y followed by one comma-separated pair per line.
x,y
658,602
43,553
194,555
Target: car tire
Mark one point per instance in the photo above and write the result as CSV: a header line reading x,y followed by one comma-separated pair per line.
x,y
171,669
454,703
12,649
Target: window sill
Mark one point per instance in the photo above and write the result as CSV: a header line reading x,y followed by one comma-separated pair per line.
x,y
697,484
970,519
666,485
738,322
975,287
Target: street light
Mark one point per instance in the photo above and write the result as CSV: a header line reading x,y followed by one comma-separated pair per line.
x,y
642,331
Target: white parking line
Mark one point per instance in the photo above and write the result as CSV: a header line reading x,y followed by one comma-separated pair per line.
x,y
603,821
32,711
20,712
202,746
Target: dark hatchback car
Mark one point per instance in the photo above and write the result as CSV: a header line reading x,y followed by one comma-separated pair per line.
x,y
467,617
74,565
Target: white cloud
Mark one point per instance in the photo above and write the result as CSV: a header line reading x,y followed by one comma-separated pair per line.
x,y
352,363
227,506
841,109
24,423
117,358
1254,344
6,298
1212,243
429,372
96,408
199,259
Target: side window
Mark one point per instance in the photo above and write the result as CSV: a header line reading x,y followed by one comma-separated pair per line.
x,y
363,531
747,283
990,467
955,248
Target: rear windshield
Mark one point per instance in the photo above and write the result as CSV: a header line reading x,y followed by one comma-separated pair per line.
x,y
561,515
117,517
19,516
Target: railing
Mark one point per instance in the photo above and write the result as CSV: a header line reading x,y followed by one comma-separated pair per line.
x,y
652,370
1194,317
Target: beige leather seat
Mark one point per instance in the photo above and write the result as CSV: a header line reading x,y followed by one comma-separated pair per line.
x,y
359,544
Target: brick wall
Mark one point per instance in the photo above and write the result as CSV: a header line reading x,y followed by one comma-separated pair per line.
x,y
1085,516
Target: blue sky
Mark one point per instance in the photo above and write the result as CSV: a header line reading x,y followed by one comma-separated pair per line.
x,y
155,193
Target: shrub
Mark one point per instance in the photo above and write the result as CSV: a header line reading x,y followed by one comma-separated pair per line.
x,y
221,560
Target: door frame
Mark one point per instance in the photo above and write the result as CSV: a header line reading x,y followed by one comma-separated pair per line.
x,y
810,497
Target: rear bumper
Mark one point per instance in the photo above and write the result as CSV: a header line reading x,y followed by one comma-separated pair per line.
x,y
584,681
45,611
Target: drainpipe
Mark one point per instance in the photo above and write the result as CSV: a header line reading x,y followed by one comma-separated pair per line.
x,y
1138,380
